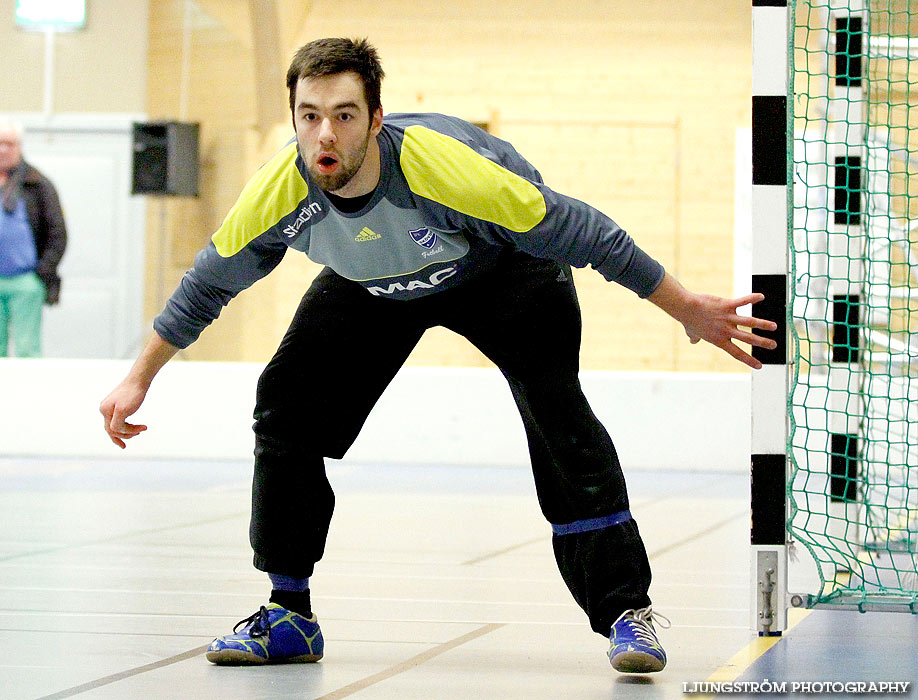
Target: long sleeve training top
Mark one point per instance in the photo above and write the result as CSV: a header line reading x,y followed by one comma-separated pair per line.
x,y
449,199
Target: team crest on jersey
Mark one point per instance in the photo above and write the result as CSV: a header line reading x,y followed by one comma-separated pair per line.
x,y
424,237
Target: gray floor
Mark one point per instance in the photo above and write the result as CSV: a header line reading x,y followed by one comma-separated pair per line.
x,y
437,583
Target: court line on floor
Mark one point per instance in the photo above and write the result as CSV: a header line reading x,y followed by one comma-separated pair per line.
x,y
743,660
343,692
745,657
409,664
115,677
122,536
645,503
505,550
346,691
698,535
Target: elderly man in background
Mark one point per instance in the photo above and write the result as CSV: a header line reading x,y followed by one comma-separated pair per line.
x,y
32,241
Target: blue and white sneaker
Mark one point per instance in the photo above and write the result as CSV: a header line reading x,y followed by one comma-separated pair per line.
x,y
273,635
634,647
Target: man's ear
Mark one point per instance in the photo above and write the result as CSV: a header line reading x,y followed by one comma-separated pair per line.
x,y
376,121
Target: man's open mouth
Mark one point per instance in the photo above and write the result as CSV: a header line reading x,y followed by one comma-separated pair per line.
x,y
327,163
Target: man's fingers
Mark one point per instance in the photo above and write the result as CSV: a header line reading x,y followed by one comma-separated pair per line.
x,y
741,355
117,427
128,430
117,407
758,341
757,323
748,299
719,322
118,421
751,321
117,441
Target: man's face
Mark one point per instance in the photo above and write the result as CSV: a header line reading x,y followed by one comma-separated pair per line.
x,y
10,149
333,127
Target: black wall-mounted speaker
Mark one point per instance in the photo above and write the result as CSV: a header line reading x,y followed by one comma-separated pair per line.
x,y
165,158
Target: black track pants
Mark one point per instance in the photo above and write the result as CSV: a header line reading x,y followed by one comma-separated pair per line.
x,y
343,348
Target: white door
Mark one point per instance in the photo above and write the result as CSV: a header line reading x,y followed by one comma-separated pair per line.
x,y
89,161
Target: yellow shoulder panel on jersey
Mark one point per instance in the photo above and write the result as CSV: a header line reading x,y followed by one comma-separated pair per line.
x,y
452,174
272,193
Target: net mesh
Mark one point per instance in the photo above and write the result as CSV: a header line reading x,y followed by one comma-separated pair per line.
x,y
854,258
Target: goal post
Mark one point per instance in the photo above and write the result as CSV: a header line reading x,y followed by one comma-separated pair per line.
x,y
848,469
770,205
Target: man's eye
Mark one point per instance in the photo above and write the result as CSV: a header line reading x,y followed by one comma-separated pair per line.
x,y
310,117
345,117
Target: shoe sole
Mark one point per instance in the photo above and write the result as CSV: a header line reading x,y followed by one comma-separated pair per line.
x,y
237,657
636,662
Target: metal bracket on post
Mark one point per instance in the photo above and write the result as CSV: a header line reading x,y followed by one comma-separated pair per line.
x,y
766,583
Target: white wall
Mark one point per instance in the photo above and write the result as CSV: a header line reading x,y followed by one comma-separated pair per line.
x,y
88,157
203,410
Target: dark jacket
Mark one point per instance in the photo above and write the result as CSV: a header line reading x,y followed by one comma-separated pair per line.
x,y
43,208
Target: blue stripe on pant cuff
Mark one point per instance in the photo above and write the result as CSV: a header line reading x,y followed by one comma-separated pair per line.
x,y
591,524
281,582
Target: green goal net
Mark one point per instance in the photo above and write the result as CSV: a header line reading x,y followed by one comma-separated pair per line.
x,y
853,398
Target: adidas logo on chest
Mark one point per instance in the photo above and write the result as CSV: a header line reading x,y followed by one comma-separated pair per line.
x,y
367,234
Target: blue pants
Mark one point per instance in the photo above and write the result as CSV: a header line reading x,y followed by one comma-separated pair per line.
x,y
21,301
343,348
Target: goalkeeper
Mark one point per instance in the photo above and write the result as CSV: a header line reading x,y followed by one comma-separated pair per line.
x,y
421,220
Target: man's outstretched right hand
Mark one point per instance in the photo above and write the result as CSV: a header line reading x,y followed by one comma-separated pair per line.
x,y
126,398
124,401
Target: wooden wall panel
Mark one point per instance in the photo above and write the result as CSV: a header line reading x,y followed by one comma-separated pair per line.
x,y
100,68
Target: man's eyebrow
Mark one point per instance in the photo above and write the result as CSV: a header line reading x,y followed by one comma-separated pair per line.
x,y
342,105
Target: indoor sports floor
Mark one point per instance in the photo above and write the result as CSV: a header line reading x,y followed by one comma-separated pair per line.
x,y
438,583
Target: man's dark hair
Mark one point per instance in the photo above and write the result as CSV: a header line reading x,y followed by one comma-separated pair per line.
x,y
338,55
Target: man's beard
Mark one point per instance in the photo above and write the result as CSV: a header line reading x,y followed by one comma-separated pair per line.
x,y
348,165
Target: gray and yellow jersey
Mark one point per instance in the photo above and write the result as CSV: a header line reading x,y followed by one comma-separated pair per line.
x,y
449,199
